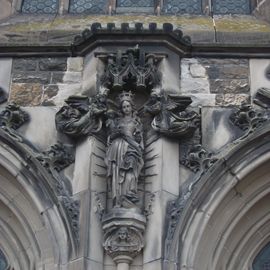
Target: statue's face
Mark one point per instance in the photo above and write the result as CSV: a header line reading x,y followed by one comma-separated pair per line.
x,y
122,234
126,108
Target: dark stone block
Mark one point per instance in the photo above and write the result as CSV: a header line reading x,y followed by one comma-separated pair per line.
x,y
31,77
53,64
234,86
57,77
228,72
24,64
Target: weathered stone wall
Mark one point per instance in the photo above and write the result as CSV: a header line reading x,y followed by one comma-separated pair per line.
x,y
216,82
45,81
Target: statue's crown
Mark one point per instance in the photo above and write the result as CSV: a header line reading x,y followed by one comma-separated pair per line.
x,y
126,96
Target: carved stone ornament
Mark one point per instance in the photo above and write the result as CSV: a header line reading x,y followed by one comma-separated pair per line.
x,y
123,234
12,117
248,119
133,66
262,97
58,157
124,156
81,115
199,159
170,115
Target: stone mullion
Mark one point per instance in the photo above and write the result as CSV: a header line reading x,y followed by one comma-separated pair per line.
x,y
63,6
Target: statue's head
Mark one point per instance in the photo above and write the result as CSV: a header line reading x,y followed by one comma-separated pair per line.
x,y
126,103
123,233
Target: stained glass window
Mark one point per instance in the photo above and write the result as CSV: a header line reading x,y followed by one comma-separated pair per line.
x,y
135,3
88,6
231,6
262,261
182,6
40,6
3,261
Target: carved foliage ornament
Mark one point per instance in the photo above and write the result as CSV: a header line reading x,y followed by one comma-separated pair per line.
x,y
12,117
248,119
199,159
58,157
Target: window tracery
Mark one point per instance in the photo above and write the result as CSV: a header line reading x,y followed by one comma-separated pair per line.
x,y
231,7
88,6
182,6
135,3
170,7
40,6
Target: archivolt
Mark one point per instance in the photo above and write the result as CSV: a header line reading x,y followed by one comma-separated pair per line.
x,y
34,231
227,218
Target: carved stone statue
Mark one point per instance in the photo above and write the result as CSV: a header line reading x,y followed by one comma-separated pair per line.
x,y
170,117
124,157
81,116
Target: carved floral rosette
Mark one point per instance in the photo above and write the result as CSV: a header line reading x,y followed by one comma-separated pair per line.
x,y
123,234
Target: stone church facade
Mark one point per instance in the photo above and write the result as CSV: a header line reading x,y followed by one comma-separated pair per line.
x,y
134,135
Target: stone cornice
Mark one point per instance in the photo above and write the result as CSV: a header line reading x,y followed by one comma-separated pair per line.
x,y
174,40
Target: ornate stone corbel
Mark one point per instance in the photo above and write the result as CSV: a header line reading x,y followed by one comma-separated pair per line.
x,y
123,235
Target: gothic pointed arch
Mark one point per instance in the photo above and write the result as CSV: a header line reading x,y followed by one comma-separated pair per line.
x,y
225,223
34,228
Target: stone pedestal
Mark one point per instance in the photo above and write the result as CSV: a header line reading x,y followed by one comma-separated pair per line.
x,y
123,235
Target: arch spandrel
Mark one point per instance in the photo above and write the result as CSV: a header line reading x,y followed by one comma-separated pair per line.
x,y
226,219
